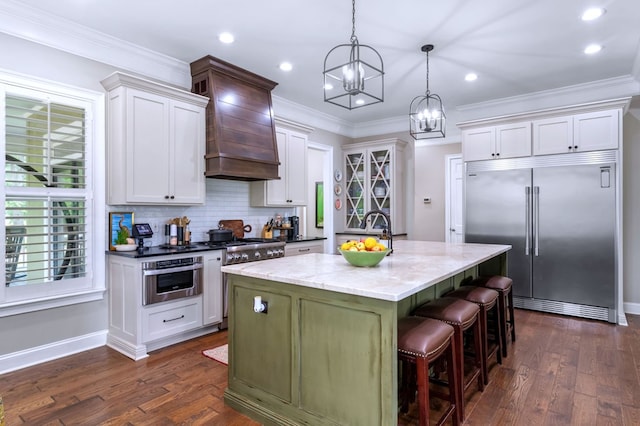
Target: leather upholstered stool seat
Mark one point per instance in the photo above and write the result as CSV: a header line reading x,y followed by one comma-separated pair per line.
x,y
505,305
421,341
487,300
462,316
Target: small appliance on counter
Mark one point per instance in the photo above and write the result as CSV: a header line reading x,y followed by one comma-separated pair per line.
x,y
140,232
295,228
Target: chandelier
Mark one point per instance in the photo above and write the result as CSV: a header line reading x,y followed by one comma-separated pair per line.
x,y
353,73
426,115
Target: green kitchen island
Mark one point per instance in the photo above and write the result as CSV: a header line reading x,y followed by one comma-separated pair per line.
x,y
324,352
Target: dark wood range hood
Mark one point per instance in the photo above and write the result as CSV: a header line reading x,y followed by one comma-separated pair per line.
x,y
241,140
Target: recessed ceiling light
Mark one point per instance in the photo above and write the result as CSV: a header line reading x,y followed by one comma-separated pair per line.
x,y
471,77
286,66
360,102
592,48
226,38
592,13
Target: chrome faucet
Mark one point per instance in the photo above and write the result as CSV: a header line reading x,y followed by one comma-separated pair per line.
x,y
363,225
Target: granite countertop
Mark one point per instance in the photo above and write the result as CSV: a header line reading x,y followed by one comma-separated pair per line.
x,y
413,266
157,251
185,250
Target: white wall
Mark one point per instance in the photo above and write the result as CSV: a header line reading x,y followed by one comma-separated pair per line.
x,y
430,181
315,159
631,211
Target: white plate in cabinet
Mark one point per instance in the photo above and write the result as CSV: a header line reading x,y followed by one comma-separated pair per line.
x,y
167,319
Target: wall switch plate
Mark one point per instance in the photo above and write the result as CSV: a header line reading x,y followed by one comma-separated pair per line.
x,y
426,200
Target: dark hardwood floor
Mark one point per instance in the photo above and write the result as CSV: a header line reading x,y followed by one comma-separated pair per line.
x,y
561,370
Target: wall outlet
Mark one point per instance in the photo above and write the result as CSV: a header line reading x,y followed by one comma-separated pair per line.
x,y
426,200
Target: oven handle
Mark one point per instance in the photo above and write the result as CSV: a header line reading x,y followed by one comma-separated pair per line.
x,y
193,267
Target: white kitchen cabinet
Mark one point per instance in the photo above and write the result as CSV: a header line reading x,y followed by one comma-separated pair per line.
x,y
170,318
212,287
135,329
589,131
495,142
304,247
374,179
291,189
156,143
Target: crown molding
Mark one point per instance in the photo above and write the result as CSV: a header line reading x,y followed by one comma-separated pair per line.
x,y
617,87
286,109
28,23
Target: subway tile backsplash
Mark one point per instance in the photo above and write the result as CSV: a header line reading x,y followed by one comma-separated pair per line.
x,y
225,199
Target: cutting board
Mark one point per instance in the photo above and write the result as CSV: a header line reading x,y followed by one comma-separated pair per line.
x,y
237,226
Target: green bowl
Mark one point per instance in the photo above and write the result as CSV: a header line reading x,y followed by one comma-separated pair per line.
x,y
364,258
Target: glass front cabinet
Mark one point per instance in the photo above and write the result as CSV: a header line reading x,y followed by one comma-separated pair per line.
x,y
374,180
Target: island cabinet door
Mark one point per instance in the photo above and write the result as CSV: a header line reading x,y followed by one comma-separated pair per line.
x,y
261,356
346,364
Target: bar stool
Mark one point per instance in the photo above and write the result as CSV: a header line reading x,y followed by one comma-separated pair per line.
x,y
505,304
421,341
487,300
462,316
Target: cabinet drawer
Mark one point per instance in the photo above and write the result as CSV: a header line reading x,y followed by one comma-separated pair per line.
x,y
167,319
294,249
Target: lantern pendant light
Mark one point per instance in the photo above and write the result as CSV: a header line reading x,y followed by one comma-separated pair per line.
x,y
360,80
426,114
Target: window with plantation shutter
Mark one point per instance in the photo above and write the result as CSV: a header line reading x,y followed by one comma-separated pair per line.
x,y
48,195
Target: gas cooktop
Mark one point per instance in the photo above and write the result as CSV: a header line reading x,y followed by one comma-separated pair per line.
x,y
236,243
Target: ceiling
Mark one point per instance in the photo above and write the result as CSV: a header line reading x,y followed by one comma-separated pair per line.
x,y
515,47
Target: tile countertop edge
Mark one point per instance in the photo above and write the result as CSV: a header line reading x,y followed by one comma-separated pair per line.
x,y
414,266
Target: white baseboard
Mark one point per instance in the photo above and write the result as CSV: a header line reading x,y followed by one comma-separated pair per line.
x,y
631,308
32,356
125,348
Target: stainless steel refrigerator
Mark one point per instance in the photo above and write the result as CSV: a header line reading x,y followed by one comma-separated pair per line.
x,y
559,214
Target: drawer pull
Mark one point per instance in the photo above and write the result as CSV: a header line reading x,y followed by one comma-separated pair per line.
x,y
306,249
174,319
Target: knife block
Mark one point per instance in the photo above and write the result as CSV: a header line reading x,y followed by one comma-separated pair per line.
x,y
265,233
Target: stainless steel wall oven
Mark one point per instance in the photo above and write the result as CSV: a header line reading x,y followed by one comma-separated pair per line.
x,y
171,279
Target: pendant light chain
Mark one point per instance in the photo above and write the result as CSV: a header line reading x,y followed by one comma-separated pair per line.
x,y
353,21
428,92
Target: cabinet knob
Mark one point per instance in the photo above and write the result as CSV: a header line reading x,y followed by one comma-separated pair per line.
x,y
172,197
575,147
166,197
498,154
569,147
493,154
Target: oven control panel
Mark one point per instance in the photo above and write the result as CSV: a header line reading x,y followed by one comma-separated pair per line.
x,y
172,263
254,252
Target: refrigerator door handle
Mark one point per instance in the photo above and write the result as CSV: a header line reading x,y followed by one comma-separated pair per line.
x,y
536,219
527,220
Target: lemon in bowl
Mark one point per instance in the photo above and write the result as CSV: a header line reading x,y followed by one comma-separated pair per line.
x,y
364,258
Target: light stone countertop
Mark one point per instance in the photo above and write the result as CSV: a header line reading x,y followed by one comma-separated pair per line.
x,y
412,267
